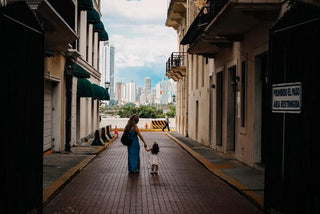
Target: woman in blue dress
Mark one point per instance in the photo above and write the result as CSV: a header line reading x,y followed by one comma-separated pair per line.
x,y
134,148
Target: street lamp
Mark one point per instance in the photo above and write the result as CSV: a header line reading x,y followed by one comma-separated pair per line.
x,y
107,85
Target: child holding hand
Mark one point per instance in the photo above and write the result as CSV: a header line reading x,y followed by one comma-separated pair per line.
x,y
154,160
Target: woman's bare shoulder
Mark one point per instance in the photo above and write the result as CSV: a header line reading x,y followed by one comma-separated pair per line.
x,y
136,129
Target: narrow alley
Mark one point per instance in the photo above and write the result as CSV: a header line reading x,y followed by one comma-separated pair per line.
x,y
183,185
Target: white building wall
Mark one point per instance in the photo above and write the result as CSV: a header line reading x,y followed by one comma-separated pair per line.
x,y
131,86
83,34
74,112
123,93
47,119
158,93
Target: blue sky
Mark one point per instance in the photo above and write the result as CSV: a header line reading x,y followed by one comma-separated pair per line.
x,y
142,42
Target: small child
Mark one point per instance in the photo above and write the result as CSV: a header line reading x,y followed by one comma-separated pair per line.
x,y
154,157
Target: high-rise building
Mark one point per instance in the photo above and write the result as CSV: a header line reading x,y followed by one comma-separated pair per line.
x,y
139,92
124,93
131,95
107,67
117,93
147,86
104,63
112,88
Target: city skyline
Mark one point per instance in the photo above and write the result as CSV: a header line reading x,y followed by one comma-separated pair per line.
x,y
142,41
128,92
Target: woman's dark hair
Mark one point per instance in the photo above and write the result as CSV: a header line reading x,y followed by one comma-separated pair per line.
x,y
155,149
133,120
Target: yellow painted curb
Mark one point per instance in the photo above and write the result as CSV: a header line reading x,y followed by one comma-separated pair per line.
x,y
54,187
50,190
101,148
148,130
215,169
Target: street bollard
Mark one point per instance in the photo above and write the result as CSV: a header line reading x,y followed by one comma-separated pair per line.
x,y
97,139
103,135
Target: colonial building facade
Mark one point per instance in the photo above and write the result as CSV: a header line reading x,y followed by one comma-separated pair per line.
x,y
225,73
49,55
221,73
72,78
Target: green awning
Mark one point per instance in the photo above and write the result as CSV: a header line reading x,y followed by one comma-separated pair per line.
x,y
105,93
98,27
78,71
85,4
96,92
93,16
107,96
103,36
100,93
84,88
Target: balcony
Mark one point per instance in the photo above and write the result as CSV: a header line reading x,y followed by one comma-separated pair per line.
x,y
221,22
176,13
58,22
176,66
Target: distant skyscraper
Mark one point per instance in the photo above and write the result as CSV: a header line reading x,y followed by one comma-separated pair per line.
x,y
118,92
112,88
103,66
139,92
147,86
131,92
107,67
158,93
124,92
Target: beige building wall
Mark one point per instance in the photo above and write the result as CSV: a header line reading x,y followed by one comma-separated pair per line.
x,y
54,121
201,115
88,121
84,118
198,104
247,138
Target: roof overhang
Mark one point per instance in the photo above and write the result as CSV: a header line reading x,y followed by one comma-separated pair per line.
x,y
209,46
233,20
238,17
176,13
58,34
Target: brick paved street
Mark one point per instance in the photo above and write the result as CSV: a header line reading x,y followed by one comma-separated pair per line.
x,y
183,185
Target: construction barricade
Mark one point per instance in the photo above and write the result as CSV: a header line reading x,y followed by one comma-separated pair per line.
x,y
157,124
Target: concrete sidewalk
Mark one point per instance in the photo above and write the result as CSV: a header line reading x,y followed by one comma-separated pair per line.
x,y
247,180
60,168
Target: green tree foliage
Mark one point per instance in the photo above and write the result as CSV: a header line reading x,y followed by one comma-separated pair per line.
x,y
172,112
143,111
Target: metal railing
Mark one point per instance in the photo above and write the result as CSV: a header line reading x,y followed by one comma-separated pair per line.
x,y
204,17
177,59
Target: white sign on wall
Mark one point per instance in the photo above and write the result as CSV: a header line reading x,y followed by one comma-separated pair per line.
x,y
286,98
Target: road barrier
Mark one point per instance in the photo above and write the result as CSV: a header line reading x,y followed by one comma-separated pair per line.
x,y
157,124
109,131
97,139
104,135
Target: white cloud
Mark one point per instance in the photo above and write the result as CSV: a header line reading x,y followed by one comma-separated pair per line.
x,y
144,10
137,31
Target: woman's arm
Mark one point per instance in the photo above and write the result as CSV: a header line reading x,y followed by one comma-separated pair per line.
x,y
140,136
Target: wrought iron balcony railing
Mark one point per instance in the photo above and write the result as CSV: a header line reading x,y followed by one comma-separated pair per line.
x,y
177,59
176,66
204,17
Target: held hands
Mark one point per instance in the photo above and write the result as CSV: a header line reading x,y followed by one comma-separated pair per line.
x,y
145,147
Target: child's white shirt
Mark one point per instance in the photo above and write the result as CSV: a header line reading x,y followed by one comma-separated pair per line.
x,y
154,159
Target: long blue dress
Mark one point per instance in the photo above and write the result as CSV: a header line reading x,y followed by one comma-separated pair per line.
x,y
134,153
